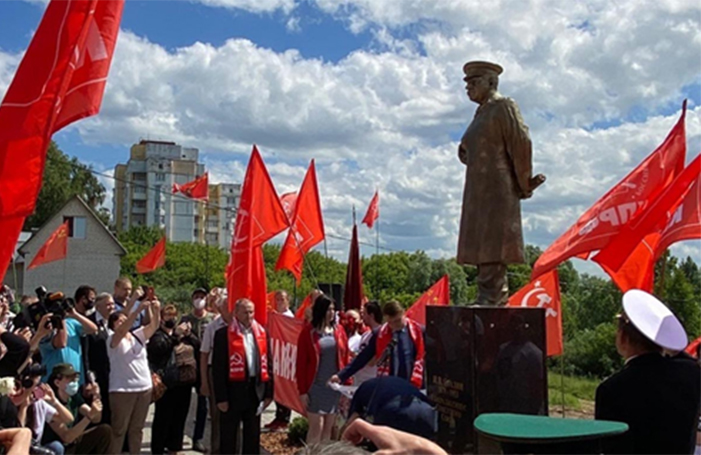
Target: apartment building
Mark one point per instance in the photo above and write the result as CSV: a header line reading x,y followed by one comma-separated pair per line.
x,y
143,190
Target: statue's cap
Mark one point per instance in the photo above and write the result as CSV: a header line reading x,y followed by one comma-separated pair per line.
x,y
480,68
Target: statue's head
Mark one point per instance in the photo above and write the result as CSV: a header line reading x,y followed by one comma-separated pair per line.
x,y
482,80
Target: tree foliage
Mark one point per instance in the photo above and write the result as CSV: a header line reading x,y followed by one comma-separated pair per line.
x,y
64,178
589,303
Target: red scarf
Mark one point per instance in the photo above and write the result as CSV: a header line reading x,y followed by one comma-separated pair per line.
x,y
237,352
383,339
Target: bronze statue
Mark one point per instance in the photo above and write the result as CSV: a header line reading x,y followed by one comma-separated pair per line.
x,y
497,151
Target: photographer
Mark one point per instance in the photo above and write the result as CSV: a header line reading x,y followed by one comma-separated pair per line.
x,y
130,302
172,349
37,405
63,345
130,377
86,407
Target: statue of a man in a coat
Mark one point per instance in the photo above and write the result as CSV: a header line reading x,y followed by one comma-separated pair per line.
x,y
497,151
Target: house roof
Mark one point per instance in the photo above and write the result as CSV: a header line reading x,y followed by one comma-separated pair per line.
x,y
22,250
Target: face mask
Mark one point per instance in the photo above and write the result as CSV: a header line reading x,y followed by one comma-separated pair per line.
x,y
89,304
71,388
169,324
198,304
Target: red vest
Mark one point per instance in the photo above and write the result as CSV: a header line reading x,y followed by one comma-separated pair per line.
x,y
385,336
237,352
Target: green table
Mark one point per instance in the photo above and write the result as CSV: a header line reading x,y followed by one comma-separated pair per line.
x,y
520,433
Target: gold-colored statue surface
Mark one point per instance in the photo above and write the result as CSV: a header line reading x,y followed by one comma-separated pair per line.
x,y
497,151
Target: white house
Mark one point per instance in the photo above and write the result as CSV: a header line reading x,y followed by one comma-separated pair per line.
x,y
92,258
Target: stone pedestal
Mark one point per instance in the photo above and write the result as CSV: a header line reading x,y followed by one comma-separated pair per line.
x,y
483,359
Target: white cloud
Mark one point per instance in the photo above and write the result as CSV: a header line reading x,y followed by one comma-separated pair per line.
x,y
389,116
254,6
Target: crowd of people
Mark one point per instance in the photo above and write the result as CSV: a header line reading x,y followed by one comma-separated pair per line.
x,y
79,375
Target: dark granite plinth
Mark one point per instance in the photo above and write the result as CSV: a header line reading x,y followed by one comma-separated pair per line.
x,y
483,359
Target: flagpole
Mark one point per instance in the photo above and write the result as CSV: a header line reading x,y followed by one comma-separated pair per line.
x,y
562,380
14,273
206,246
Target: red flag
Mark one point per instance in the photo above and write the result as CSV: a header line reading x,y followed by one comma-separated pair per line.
x,y
60,80
270,301
353,293
259,218
154,259
638,270
654,218
289,202
373,212
693,348
597,227
685,222
307,227
544,292
438,294
306,303
284,333
196,189
55,248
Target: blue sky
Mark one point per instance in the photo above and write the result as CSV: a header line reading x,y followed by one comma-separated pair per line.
x,y
372,89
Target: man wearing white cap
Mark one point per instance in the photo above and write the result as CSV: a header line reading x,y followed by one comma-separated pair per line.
x,y
658,397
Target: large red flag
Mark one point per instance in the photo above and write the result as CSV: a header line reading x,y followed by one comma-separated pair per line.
x,y
597,227
654,218
544,292
154,259
259,218
373,212
196,189
353,293
307,227
438,294
684,223
55,248
61,79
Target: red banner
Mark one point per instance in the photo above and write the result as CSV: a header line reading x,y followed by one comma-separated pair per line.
x,y
544,292
284,332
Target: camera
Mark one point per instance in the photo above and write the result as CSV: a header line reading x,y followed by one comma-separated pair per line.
x,y
54,303
30,372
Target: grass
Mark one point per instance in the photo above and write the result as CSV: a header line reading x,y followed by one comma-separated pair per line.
x,y
576,388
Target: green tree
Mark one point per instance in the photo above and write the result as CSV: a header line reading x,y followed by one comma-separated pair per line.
x,y
681,299
64,178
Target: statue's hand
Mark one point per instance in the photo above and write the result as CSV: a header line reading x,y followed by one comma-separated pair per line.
x,y
533,183
462,154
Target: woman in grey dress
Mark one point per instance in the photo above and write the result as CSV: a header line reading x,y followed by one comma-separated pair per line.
x,y
322,350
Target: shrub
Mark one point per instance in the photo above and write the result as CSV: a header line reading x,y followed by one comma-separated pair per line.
x,y
297,432
592,352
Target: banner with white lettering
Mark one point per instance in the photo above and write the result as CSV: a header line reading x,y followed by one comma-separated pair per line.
x,y
284,332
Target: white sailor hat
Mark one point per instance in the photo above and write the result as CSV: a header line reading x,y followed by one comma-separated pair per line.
x,y
654,320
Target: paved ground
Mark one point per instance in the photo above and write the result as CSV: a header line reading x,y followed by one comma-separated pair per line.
x,y
268,416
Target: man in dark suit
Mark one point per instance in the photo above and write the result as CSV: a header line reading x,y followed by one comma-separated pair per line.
x,y
243,381
658,397
95,354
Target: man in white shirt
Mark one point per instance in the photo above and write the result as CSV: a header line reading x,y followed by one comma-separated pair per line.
x,y
215,300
